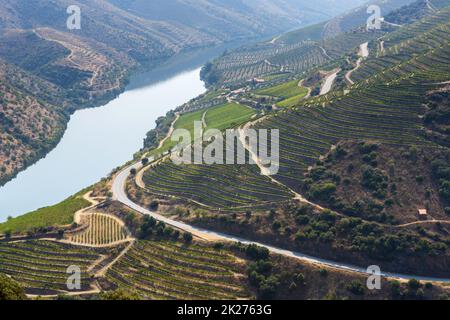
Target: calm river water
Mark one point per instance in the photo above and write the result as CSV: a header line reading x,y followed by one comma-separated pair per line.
x,y
100,139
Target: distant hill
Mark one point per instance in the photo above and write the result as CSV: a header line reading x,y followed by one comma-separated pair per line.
x,y
225,19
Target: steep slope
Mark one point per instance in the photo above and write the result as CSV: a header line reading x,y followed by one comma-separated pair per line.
x,y
224,19
58,71
385,106
308,47
359,16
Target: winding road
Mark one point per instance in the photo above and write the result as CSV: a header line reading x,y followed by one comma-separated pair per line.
x,y
363,53
120,195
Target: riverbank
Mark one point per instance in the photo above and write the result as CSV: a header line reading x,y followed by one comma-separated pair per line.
x,y
96,141
22,192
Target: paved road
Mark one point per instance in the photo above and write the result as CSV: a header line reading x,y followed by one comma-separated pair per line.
x,y
119,194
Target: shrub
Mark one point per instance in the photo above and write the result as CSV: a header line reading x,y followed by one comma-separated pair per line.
x,y
302,220
268,288
373,179
322,191
323,273
119,295
276,225
257,253
175,234
154,205
187,237
414,284
366,148
356,288
8,234
10,290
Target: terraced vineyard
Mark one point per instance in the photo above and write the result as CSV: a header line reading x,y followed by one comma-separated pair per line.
x,y
41,266
407,43
169,270
101,230
386,108
223,187
218,117
273,58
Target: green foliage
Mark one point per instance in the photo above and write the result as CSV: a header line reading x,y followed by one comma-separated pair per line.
x,y
441,171
187,237
356,288
286,90
414,284
57,215
256,252
10,289
154,205
227,116
374,179
322,191
120,295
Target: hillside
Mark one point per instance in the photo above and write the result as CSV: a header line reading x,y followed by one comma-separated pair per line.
x,y
363,179
224,19
384,106
58,71
313,46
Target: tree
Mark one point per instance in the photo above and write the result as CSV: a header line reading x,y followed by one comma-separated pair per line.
x,y
257,253
133,171
10,289
144,161
154,205
414,284
322,191
120,295
187,237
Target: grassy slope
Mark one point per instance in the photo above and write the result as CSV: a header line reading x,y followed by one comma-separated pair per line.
x,y
289,91
285,90
220,117
228,116
59,214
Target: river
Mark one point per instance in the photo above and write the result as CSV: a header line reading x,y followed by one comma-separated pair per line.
x,y
98,140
